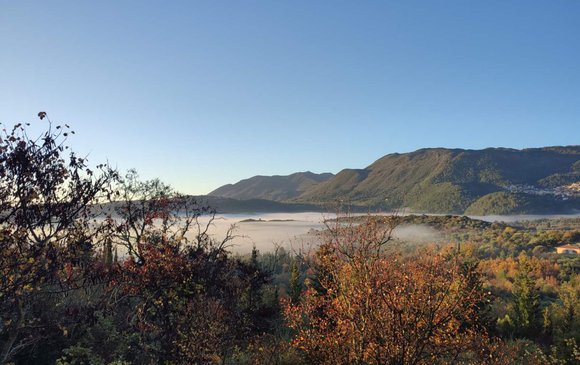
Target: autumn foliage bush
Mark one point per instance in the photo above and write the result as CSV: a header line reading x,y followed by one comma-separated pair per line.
x,y
367,304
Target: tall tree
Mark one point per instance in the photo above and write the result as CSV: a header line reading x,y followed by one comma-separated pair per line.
x,y
527,309
48,197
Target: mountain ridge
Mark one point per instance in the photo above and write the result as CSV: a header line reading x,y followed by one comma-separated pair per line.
x,y
276,187
438,180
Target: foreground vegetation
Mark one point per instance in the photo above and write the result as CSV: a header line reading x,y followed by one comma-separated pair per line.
x,y
97,268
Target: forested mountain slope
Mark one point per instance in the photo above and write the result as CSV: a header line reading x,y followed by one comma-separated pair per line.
x,y
439,180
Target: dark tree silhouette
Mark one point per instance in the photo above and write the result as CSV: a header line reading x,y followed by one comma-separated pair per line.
x,y
48,196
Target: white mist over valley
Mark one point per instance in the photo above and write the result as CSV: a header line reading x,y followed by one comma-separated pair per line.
x,y
295,231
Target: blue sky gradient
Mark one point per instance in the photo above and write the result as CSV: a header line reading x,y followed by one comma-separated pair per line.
x,y
203,93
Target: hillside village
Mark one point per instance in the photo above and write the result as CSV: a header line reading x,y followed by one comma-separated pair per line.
x,y
562,192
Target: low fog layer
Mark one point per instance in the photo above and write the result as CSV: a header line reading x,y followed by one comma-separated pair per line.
x,y
417,234
295,230
284,229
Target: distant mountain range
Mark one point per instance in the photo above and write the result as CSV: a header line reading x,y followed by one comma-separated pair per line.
x,y
278,188
436,180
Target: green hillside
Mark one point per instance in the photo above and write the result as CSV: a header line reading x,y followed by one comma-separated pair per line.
x,y
439,180
504,203
442,180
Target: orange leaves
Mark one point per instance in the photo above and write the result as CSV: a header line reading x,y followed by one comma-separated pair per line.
x,y
374,306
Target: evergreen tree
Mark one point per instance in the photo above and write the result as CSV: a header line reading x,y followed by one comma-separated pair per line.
x,y
526,302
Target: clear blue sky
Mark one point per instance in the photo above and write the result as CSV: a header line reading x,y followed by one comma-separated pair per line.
x,y
203,93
